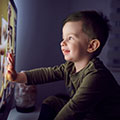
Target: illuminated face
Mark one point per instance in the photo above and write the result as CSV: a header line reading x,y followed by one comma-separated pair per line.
x,y
75,42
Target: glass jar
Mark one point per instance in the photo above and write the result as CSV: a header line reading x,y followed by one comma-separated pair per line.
x,y
25,97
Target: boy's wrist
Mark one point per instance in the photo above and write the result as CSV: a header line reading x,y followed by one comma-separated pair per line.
x,y
21,77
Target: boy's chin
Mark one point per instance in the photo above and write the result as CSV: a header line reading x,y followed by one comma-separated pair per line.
x,y
69,60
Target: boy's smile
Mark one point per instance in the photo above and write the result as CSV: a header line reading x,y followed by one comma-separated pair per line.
x,y
65,51
75,42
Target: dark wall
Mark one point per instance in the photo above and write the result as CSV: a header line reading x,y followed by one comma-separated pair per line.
x,y
39,32
39,36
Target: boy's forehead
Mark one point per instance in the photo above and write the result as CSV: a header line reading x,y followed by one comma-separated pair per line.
x,y
72,27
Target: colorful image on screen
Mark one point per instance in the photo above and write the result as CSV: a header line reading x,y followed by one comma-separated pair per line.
x,y
8,21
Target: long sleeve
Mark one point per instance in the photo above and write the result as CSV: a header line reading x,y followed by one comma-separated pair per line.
x,y
45,75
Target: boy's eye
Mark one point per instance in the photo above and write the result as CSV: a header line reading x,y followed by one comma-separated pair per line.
x,y
70,38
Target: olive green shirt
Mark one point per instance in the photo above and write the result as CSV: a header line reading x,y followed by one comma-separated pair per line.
x,y
95,94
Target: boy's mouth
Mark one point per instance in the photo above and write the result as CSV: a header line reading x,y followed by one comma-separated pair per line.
x,y
65,51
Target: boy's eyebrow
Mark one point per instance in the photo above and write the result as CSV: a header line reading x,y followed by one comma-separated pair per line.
x,y
76,35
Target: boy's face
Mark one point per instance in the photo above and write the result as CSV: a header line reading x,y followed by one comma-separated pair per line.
x,y
75,42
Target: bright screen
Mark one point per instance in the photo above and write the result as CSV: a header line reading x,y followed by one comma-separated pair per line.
x,y
8,19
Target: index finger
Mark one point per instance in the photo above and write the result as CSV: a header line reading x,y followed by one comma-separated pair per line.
x,y
11,58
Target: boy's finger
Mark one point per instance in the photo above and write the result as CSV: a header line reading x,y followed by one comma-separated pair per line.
x,y
10,59
9,75
10,67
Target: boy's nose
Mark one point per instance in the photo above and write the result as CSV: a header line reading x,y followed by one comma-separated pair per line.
x,y
63,43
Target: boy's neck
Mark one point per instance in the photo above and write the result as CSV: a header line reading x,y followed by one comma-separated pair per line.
x,y
81,64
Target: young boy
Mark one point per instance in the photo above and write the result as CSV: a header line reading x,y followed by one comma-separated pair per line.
x,y
93,92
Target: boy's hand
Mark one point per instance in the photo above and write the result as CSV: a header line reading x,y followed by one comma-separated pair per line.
x,y
11,73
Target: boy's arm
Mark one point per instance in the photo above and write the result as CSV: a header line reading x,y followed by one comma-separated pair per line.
x,y
45,75
35,76
41,75
89,93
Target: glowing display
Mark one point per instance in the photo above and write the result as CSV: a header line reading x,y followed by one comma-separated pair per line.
x,y
8,19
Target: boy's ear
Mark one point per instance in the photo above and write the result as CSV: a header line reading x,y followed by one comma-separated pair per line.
x,y
93,45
